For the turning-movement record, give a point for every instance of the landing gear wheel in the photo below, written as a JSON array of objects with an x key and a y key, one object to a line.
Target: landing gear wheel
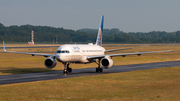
[
  {"x": 65, "y": 72},
  {"x": 99, "y": 70},
  {"x": 70, "y": 70}
]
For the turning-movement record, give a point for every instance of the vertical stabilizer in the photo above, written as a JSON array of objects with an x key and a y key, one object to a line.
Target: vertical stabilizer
[
  {"x": 100, "y": 32},
  {"x": 4, "y": 46}
]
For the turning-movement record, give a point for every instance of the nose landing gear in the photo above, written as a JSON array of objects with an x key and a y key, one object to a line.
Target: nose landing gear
[{"x": 66, "y": 68}]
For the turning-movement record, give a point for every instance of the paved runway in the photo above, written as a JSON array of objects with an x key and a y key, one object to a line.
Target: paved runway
[{"x": 30, "y": 77}]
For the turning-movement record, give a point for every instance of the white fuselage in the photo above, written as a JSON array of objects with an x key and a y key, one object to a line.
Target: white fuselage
[{"x": 78, "y": 53}]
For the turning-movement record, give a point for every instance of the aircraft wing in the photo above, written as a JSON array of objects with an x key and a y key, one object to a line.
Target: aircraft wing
[
  {"x": 124, "y": 54},
  {"x": 33, "y": 54},
  {"x": 118, "y": 49}
]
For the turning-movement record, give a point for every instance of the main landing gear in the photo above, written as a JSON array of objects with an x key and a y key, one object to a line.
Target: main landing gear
[
  {"x": 66, "y": 68},
  {"x": 99, "y": 69}
]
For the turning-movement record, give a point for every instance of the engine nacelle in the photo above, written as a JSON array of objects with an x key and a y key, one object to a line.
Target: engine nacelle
[
  {"x": 107, "y": 62},
  {"x": 50, "y": 63}
]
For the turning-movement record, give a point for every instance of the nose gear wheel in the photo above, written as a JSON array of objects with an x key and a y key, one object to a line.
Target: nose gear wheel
[{"x": 66, "y": 68}]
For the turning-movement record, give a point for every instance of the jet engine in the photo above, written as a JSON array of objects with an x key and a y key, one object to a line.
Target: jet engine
[
  {"x": 50, "y": 62},
  {"x": 107, "y": 62}
]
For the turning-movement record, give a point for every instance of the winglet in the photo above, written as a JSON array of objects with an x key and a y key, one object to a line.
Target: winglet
[{"x": 4, "y": 46}]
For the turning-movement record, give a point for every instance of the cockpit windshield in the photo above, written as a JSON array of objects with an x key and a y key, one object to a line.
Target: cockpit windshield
[{"x": 62, "y": 51}]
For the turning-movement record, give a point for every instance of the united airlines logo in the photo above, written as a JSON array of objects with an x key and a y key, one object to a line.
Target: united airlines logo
[{"x": 99, "y": 38}]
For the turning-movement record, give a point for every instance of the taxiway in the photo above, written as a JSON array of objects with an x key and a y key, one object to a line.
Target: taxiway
[{"x": 31, "y": 77}]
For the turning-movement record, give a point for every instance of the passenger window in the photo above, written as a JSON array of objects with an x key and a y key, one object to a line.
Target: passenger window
[{"x": 64, "y": 51}]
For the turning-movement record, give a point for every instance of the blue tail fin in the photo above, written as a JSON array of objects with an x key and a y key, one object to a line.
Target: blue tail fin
[
  {"x": 100, "y": 32},
  {"x": 4, "y": 46}
]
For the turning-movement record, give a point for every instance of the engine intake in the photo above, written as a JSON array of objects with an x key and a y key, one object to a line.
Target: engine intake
[
  {"x": 107, "y": 62},
  {"x": 50, "y": 63}
]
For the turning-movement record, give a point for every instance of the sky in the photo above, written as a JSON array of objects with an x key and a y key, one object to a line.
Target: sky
[{"x": 126, "y": 15}]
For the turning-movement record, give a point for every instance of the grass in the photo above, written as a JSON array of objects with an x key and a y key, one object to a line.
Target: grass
[
  {"x": 146, "y": 85},
  {"x": 160, "y": 84}
]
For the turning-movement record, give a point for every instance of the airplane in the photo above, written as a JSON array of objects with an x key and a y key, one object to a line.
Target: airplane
[{"x": 84, "y": 53}]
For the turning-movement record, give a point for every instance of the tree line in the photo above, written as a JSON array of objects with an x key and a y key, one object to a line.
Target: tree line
[{"x": 46, "y": 34}]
